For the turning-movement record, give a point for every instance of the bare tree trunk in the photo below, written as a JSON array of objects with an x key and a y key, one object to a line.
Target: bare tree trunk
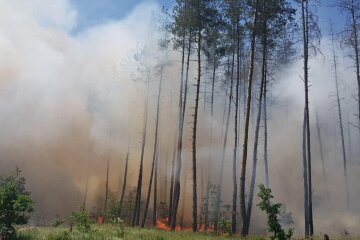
[
  {"x": 176, "y": 193},
  {"x": 86, "y": 190},
  {"x": 256, "y": 139},
  {"x": 234, "y": 196},
  {"x": 219, "y": 194},
  {"x": 305, "y": 175},
  {"x": 341, "y": 125},
  {"x": 266, "y": 162},
  {"x": 245, "y": 230},
  {"x": 321, "y": 147},
  {"x": 183, "y": 201},
  {"x": 206, "y": 225},
  {"x": 194, "y": 226},
  {"x": 125, "y": 180},
  {"x": 154, "y": 216},
  {"x": 305, "y": 16},
  {"x": 172, "y": 178},
  {"x": 107, "y": 185},
  {"x": 155, "y": 152},
  {"x": 136, "y": 216}
]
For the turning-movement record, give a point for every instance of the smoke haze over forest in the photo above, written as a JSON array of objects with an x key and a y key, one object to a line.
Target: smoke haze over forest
[{"x": 69, "y": 102}]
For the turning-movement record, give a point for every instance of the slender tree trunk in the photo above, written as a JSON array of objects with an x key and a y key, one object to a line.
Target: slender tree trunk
[
  {"x": 245, "y": 230},
  {"x": 183, "y": 201},
  {"x": 172, "y": 178},
  {"x": 194, "y": 226},
  {"x": 206, "y": 225},
  {"x": 256, "y": 138},
  {"x": 107, "y": 185},
  {"x": 155, "y": 153},
  {"x": 219, "y": 194},
  {"x": 321, "y": 147},
  {"x": 305, "y": 175},
  {"x": 136, "y": 216},
  {"x": 178, "y": 129},
  {"x": 86, "y": 190},
  {"x": 176, "y": 194},
  {"x": 154, "y": 216},
  {"x": 124, "y": 181},
  {"x": 234, "y": 196},
  {"x": 341, "y": 125},
  {"x": 266, "y": 161},
  {"x": 305, "y": 16}
]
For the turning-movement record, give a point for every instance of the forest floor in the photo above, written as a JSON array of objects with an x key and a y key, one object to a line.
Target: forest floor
[{"x": 111, "y": 233}]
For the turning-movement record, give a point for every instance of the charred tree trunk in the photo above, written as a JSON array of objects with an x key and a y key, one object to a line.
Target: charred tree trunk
[
  {"x": 256, "y": 138},
  {"x": 245, "y": 229},
  {"x": 194, "y": 161},
  {"x": 107, "y": 185},
  {"x": 176, "y": 193},
  {"x": 154, "y": 216},
  {"x": 266, "y": 160},
  {"x": 305, "y": 23},
  {"x": 155, "y": 153},
  {"x": 341, "y": 125},
  {"x": 305, "y": 175},
  {"x": 321, "y": 147},
  {"x": 235, "y": 150},
  {"x": 124, "y": 181},
  {"x": 206, "y": 225},
  {"x": 219, "y": 194},
  {"x": 136, "y": 216}
]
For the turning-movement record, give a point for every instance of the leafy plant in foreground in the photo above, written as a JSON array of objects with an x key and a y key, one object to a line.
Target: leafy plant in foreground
[
  {"x": 272, "y": 210},
  {"x": 15, "y": 204},
  {"x": 81, "y": 220}
]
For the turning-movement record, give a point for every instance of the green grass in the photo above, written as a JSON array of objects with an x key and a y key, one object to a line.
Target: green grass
[{"x": 106, "y": 232}]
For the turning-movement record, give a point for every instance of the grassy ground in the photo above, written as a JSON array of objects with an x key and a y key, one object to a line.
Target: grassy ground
[{"x": 111, "y": 233}]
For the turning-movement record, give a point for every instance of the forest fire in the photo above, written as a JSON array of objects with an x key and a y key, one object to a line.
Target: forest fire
[{"x": 164, "y": 225}]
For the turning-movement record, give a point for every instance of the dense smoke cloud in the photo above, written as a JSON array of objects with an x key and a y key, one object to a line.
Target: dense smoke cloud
[{"x": 71, "y": 101}]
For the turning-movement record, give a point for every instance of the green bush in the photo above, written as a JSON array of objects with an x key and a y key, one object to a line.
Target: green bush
[
  {"x": 81, "y": 220},
  {"x": 225, "y": 225},
  {"x": 119, "y": 225},
  {"x": 15, "y": 204},
  {"x": 272, "y": 210}
]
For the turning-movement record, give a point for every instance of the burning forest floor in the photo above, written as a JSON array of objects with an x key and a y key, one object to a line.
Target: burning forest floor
[{"x": 107, "y": 232}]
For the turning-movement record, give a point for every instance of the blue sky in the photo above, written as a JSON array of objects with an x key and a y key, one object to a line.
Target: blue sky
[{"x": 93, "y": 12}]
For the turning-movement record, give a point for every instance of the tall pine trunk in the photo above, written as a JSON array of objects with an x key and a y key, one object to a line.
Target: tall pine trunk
[
  {"x": 219, "y": 194},
  {"x": 124, "y": 180},
  {"x": 236, "y": 132},
  {"x": 266, "y": 160},
  {"x": 341, "y": 125},
  {"x": 256, "y": 138},
  {"x": 305, "y": 23},
  {"x": 194, "y": 135},
  {"x": 136, "y": 215},
  {"x": 245, "y": 230},
  {"x": 178, "y": 163},
  {"x": 155, "y": 151},
  {"x": 321, "y": 147},
  {"x": 107, "y": 185},
  {"x": 305, "y": 176}
]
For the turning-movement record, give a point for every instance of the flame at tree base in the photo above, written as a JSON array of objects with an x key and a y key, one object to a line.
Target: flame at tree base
[{"x": 164, "y": 225}]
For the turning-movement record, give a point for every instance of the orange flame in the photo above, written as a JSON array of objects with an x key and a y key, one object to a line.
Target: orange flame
[{"x": 164, "y": 225}]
